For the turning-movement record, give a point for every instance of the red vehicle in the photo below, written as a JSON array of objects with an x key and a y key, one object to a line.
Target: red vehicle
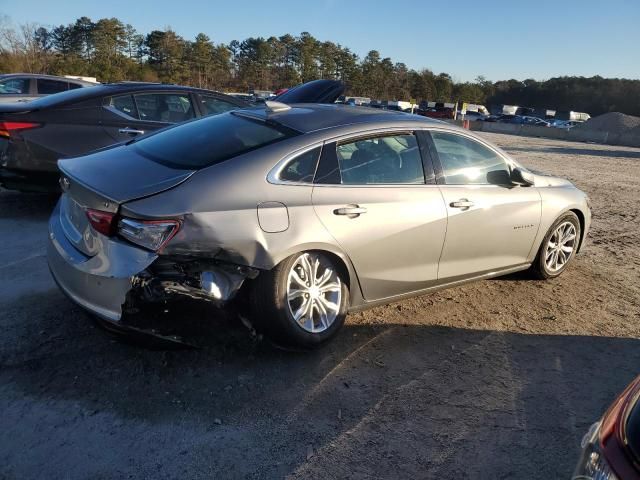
[
  {"x": 611, "y": 447},
  {"x": 439, "y": 110}
]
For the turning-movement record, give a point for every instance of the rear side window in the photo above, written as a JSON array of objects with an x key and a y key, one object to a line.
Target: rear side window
[
  {"x": 393, "y": 159},
  {"x": 302, "y": 168},
  {"x": 48, "y": 87},
  {"x": 214, "y": 106},
  {"x": 123, "y": 105},
  {"x": 209, "y": 140},
  {"x": 14, "y": 86},
  {"x": 164, "y": 107}
]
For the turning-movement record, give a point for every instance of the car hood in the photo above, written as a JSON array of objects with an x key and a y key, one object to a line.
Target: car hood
[
  {"x": 316, "y": 91},
  {"x": 544, "y": 180},
  {"x": 120, "y": 175}
]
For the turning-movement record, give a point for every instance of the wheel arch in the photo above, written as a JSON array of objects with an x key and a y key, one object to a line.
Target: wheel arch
[
  {"x": 581, "y": 218},
  {"x": 342, "y": 261}
]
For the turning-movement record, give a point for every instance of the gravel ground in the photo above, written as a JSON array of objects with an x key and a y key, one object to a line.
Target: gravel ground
[{"x": 498, "y": 379}]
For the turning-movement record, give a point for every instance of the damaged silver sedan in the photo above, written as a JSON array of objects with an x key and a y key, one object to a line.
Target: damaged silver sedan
[{"x": 311, "y": 211}]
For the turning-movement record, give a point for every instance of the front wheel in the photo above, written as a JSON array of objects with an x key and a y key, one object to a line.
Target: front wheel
[
  {"x": 558, "y": 247},
  {"x": 303, "y": 301}
]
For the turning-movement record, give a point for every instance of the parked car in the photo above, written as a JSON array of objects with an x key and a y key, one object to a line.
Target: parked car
[
  {"x": 556, "y": 123},
  {"x": 611, "y": 447},
  {"x": 474, "y": 116},
  {"x": 566, "y": 124},
  {"x": 305, "y": 213},
  {"x": 500, "y": 118},
  {"x": 34, "y": 135},
  {"x": 21, "y": 87},
  {"x": 535, "y": 121}
]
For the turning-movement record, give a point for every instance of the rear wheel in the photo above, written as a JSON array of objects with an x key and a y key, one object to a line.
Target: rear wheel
[
  {"x": 558, "y": 247},
  {"x": 303, "y": 301}
]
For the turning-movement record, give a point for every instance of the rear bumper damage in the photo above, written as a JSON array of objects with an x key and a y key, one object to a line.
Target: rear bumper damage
[
  {"x": 174, "y": 278},
  {"x": 122, "y": 278}
]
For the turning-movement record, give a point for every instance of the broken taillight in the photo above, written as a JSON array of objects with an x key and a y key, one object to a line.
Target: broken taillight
[
  {"x": 102, "y": 222},
  {"x": 6, "y": 128}
]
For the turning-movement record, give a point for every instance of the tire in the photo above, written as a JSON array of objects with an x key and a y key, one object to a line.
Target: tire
[
  {"x": 279, "y": 295},
  {"x": 551, "y": 261}
]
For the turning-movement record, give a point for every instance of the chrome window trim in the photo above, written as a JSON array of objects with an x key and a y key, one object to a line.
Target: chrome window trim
[
  {"x": 274, "y": 173},
  {"x": 272, "y": 176}
]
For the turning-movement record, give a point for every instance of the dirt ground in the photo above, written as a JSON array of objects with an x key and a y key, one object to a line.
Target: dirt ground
[{"x": 498, "y": 379}]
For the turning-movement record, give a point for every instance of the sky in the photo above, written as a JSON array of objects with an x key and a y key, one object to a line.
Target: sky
[{"x": 499, "y": 39}]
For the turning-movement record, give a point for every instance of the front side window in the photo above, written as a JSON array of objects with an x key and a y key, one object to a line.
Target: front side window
[
  {"x": 48, "y": 87},
  {"x": 123, "y": 105},
  {"x": 302, "y": 168},
  {"x": 214, "y": 106},
  {"x": 164, "y": 107},
  {"x": 14, "y": 86},
  {"x": 393, "y": 159},
  {"x": 465, "y": 161},
  {"x": 208, "y": 141}
]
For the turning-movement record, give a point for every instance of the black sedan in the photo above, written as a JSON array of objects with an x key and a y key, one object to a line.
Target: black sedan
[{"x": 34, "y": 135}]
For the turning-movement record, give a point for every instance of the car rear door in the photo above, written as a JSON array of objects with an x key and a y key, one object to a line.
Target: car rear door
[
  {"x": 376, "y": 195},
  {"x": 490, "y": 226},
  {"x": 136, "y": 113}
]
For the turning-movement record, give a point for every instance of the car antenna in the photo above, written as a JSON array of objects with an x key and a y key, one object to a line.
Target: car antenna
[{"x": 275, "y": 107}]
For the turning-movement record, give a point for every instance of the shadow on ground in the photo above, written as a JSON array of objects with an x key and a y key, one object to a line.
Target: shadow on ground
[
  {"x": 392, "y": 401},
  {"x": 27, "y": 206}
]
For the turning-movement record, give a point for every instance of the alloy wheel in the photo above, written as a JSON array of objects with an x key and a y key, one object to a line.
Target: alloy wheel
[
  {"x": 560, "y": 247},
  {"x": 314, "y": 292}
]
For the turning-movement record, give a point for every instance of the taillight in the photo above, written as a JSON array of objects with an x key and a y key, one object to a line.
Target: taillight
[
  {"x": 7, "y": 127},
  {"x": 150, "y": 234},
  {"x": 102, "y": 222}
]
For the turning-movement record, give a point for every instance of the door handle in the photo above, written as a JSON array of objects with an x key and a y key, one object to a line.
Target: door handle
[
  {"x": 131, "y": 131},
  {"x": 350, "y": 211},
  {"x": 462, "y": 203}
]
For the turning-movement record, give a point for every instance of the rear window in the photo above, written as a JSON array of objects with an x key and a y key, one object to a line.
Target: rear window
[{"x": 208, "y": 141}]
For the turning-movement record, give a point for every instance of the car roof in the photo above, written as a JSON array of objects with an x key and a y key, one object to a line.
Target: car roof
[
  {"x": 51, "y": 77},
  {"x": 109, "y": 89},
  {"x": 307, "y": 118}
]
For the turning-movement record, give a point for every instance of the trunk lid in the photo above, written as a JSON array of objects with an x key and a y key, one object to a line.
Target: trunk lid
[
  {"x": 103, "y": 181},
  {"x": 16, "y": 107}
]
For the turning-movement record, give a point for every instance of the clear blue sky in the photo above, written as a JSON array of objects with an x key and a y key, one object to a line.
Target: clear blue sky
[{"x": 499, "y": 39}]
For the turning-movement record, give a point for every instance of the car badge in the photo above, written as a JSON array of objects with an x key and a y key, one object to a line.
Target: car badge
[{"x": 65, "y": 183}]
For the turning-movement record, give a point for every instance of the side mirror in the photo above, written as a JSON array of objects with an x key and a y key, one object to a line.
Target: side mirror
[
  {"x": 499, "y": 177},
  {"x": 522, "y": 177}
]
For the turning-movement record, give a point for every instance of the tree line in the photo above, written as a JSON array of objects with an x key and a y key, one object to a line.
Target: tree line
[{"x": 112, "y": 51}]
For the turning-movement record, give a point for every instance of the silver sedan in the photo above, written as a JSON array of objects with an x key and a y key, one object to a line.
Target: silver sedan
[{"x": 306, "y": 211}]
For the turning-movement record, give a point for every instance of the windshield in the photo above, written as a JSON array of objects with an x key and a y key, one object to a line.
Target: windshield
[{"x": 208, "y": 141}]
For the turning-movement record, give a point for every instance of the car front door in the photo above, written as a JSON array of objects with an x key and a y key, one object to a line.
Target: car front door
[
  {"x": 129, "y": 115},
  {"x": 491, "y": 224},
  {"x": 378, "y": 199}
]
